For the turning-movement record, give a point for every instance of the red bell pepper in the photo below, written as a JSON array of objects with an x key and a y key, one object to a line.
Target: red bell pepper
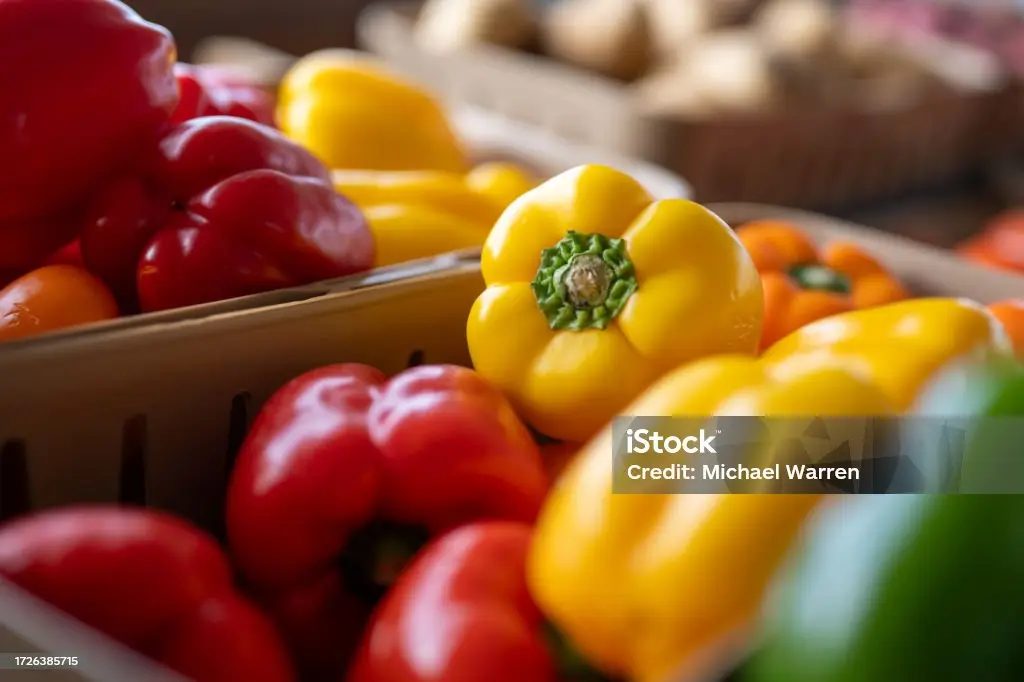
[
  {"x": 69, "y": 255},
  {"x": 224, "y": 207},
  {"x": 207, "y": 92},
  {"x": 462, "y": 611},
  {"x": 345, "y": 474},
  {"x": 557, "y": 457},
  {"x": 150, "y": 581},
  {"x": 86, "y": 83}
]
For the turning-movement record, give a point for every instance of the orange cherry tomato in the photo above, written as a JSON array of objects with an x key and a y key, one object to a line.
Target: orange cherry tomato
[
  {"x": 1011, "y": 313},
  {"x": 51, "y": 298}
]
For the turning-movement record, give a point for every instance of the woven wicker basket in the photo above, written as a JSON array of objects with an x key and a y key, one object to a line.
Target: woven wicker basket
[{"x": 821, "y": 159}]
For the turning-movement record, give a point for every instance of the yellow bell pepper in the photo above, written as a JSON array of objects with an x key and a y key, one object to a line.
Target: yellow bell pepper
[
  {"x": 642, "y": 585},
  {"x": 503, "y": 182},
  {"x": 404, "y": 233},
  {"x": 594, "y": 290},
  {"x": 445, "y": 192},
  {"x": 899, "y": 346},
  {"x": 418, "y": 214},
  {"x": 353, "y": 113}
]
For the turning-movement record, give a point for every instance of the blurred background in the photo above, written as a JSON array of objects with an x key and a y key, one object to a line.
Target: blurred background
[
  {"x": 298, "y": 27},
  {"x": 901, "y": 114}
]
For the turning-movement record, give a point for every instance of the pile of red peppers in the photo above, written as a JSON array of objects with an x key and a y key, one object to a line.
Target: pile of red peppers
[
  {"x": 167, "y": 181},
  {"x": 378, "y": 529}
]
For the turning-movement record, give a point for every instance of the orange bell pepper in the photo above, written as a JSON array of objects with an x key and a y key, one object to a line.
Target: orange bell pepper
[
  {"x": 1000, "y": 245},
  {"x": 1011, "y": 313},
  {"x": 803, "y": 284}
]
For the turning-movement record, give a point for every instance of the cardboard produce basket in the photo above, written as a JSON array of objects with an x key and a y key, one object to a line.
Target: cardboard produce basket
[
  {"x": 489, "y": 138},
  {"x": 808, "y": 158},
  {"x": 154, "y": 414}
]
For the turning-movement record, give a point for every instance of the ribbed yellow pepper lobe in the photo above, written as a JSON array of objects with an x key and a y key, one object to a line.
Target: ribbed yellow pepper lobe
[
  {"x": 642, "y": 585},
  {"x": 594, "y": 290},
  {"x": 899, "y": 346}
]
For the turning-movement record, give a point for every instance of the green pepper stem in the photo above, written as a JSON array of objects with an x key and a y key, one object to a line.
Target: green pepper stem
[
  {"x": 816, "y": 277},
  {"x": 584, "y": 281},
  {"x": 375, "y": 556}
]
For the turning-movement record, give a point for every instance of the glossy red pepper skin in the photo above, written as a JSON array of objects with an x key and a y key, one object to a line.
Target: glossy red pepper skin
[
  {"x": 204, "y": 91},
  {"x": 557, "y": 457},
  {"x": 72, "y": 115},
  {"x": 462, "y": 611},
  {"x": 224, "y": 207},
  {"x": 25, "y": 244},
  {"x": 150, "y": 581},
  {"x": 341, "y": 451},
  {"x": 71, "y": 254}
]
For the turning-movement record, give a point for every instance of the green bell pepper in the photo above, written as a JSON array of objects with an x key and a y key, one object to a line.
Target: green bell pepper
[
  {"x": 904, "y": 587},
  {"x": 987, "y": 403},
  {"x": 912, "y": 587}
]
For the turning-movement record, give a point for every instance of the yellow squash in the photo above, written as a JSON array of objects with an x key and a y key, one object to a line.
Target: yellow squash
[
  {"x": 352, "y": 113},
  {"x": 641, "y": 586},
  {"x": 899, "y": 346},
  {"x": 594, "y": 290}
]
